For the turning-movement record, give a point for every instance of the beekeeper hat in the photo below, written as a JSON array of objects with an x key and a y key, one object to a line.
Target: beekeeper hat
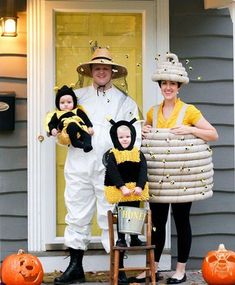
[{"x": 102, "y": 56}]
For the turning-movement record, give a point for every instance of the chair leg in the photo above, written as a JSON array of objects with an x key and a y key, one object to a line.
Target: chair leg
[
  {"x": 111, "y": 268},
  {"x": 147, "y": 265},
  {"x": 147, "y": 277},
  {"x": 116, "y": 267},
  {"x": 152, "y": 266}
]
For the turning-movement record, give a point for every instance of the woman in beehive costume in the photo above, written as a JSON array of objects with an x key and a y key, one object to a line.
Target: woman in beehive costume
[{"x": 174, "y": 170}]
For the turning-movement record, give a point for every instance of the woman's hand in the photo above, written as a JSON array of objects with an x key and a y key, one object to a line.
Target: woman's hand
[
  {"x": 145, "y": 130},
  {"x": 202, "y": 129},
  {"x": 182, "y": 130}
]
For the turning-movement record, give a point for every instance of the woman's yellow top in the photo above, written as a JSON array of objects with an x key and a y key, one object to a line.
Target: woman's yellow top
[{"x": 191, "y": 117}]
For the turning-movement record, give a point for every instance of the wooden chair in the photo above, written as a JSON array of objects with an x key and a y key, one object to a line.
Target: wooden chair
[{"x": 115, "y": 252}]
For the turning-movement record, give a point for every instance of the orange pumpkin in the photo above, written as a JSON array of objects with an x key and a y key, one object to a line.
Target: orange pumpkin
[
  {"x": 218, "y": 267},
  {"x": 21, "y": 269}
]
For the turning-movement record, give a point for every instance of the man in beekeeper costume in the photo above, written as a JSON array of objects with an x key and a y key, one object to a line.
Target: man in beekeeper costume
[{"x": 84, "y": 172}]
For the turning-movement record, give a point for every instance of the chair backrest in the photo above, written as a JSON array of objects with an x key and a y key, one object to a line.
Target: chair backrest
[{"x": 112, "y": 220}]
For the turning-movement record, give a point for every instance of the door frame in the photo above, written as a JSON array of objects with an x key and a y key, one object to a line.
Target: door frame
[{"x": 41, "y": 78}]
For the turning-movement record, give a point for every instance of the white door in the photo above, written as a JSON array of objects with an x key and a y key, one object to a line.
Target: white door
[{"x": 41, "y": 81}]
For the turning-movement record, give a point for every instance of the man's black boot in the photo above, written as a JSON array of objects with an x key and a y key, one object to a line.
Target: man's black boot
[{"x": 74, "y": 272}]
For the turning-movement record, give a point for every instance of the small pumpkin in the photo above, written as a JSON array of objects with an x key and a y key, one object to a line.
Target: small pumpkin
[
  {"x": 21, "y": 269},
  {"x": 218, "y": 267}
]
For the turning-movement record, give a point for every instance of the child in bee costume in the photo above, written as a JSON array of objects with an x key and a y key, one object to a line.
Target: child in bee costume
[
  {"x": 126, "y": 177},
  {"x": 69, "y": 122}
]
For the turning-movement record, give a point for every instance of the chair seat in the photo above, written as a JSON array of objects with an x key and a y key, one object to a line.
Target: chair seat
[
  {"x": 134, "y": 248},
  {"x": 143, "y": 268}
]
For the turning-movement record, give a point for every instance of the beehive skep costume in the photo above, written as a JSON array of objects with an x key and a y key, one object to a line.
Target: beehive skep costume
[
  {"x": 169, "y": 68},
  {"x": 180, "y": 168},
  {"x": 125, "y": 167}
]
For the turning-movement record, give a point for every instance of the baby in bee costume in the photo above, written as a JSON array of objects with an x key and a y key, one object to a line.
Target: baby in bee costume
[{"x": 69, "y": 122}]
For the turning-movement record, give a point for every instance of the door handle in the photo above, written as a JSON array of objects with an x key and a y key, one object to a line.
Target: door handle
[{"x": 41, "y": 138}]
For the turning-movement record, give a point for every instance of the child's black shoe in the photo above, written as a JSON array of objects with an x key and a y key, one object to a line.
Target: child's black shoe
[
  {"x": 135, "y": 241},
  {"x": 121, "y": 243}
]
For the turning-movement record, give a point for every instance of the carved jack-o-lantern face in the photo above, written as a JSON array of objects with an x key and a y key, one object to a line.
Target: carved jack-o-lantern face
[
  {"x": 218, "y": 267},
  {"x": 22, "y": 269}
]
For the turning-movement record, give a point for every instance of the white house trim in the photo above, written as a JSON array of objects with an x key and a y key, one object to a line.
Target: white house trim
[{"x": 34, "y": 89}]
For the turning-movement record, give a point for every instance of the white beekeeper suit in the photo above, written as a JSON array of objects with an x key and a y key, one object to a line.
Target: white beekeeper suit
[{"x": 84, "y": 172}]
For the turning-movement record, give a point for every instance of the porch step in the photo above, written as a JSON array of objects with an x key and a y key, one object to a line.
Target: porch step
[{"x": 95, "y": 260}]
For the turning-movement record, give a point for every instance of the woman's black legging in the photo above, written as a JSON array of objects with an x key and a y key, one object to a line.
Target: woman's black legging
[{"x": 181, "y": 213}]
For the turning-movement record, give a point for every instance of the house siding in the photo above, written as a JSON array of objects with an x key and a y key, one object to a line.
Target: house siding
[
  {"x": 205, "y": 38},
  {"x": 13, "y": 144}
]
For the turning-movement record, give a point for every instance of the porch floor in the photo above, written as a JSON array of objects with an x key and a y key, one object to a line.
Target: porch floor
[{"x": 193, "y": 278}]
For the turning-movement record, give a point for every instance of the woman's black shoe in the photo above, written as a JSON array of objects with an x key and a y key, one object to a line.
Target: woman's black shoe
[
  {"x": 122, "y": 279},
  {"x": 175, "y": 280},
  {"x": 142, "y": 280}
]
